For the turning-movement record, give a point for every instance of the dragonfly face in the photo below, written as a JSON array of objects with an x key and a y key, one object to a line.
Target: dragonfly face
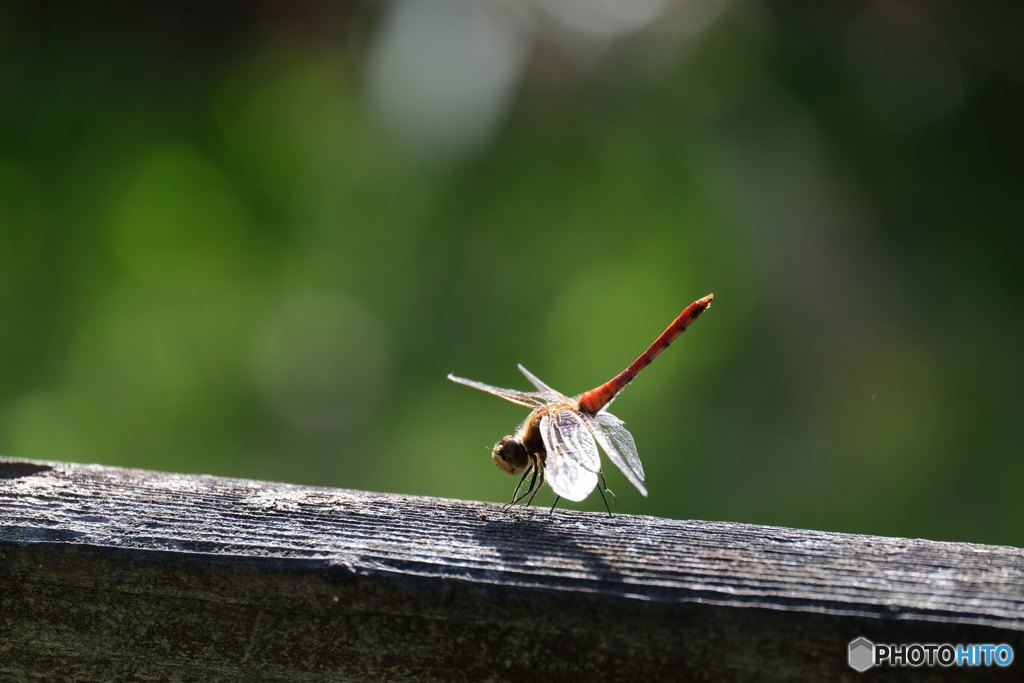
[{"x": 511, "y": 456}]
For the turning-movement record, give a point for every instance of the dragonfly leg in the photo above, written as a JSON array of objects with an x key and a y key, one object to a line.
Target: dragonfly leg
[
  {"x": 539, "y": 466},
  {"x": 515, "y": 495},
  {"x": 529, "y": 489},
  {"x": 607, "y": 490},
  {"x": 605, "y": 500},
  {"x": 553, "y": 505}
]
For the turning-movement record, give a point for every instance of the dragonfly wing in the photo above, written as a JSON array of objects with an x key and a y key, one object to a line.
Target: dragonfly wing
[
  {"x": 572, "y": 462},
  {"x": 523, "y": 398},
  {"x": 543, "y": 389},
  {"x": 618, "y": 443}
]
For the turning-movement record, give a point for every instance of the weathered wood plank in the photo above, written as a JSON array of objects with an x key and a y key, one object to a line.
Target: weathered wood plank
[{"x": 110, "y": 573}]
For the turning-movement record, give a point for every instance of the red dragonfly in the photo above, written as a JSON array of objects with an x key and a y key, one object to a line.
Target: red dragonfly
[{"x": 558, "y": 441}]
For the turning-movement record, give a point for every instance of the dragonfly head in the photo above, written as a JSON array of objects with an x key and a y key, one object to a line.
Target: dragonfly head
[{"x": 511, "y": 456}]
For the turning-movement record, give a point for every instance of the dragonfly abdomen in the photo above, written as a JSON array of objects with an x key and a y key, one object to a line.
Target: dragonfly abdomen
[{"x": 595, "y": 399}]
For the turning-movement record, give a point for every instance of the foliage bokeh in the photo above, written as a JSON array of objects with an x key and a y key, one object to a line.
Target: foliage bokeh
[{"x": 219, "y": 253}]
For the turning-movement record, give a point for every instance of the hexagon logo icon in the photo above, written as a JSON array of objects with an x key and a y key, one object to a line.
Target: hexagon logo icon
[{"x": 862, "y": 654}]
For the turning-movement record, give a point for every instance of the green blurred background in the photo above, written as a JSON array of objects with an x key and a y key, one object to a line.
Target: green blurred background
[{"x": 251, "y": 240}]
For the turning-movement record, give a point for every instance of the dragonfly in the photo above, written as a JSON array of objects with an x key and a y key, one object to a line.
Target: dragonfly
[{"x": 557, "y": 443}]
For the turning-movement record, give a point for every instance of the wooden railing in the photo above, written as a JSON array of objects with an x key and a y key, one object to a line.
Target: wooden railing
[{"x": 109, "y": 574}]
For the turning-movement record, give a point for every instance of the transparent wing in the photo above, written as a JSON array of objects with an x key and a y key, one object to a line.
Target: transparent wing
[
  {"x": 550, "y": 394},
  {"x": 618, "y": 443},
  {"x": 523, "y": 398},
  {"x": 572, "y": 461}
]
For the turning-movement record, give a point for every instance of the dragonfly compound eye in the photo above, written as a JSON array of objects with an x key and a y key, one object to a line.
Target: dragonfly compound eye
[{"x": 510, "y": 455}]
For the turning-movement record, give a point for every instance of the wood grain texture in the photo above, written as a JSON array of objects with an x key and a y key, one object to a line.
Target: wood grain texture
[{"x": 112, "y": 573}]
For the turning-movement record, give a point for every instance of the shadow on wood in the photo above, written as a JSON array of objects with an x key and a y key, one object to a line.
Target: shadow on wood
[{"x": 110, "y": 573}]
